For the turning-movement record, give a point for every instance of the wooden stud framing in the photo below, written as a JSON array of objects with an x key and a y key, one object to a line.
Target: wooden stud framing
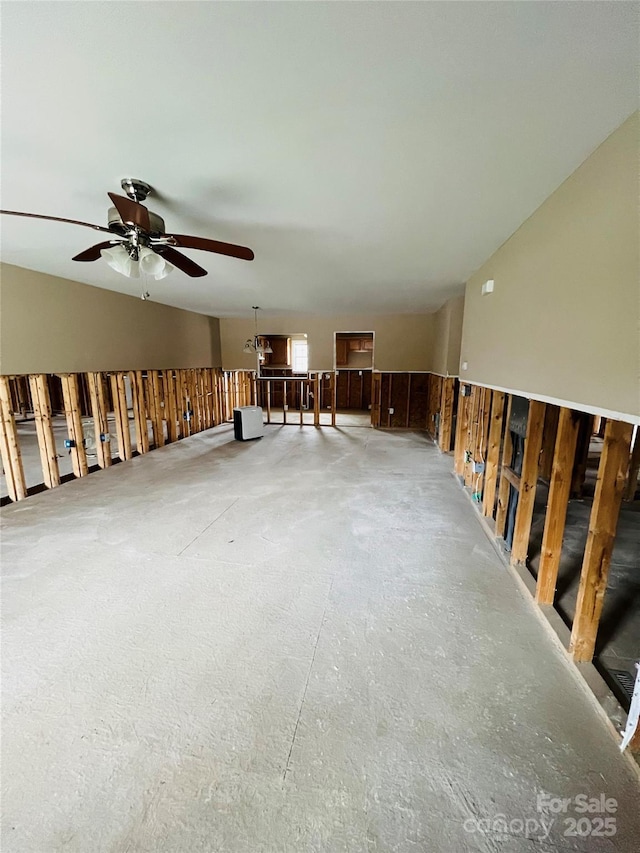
[
  {"x": 493, "y": 454},
  {"x": 603, "y": 521},
  {"x": 119, "y": 397},
  {"x": 556, "y": 513},
  {"x": 155, "y": 407},
  {"x": 316, "y": 400},
  {"x": 44, "y": 429},
  {"x": 446, "y": 414},
  {"x": 95, "y": 381},
  {"x": 471, "y": 437},
  {"x": 9, "y": 446},
  {"x": 461, "y": 433},
  {"x": 72, "y": 413},
  {"x": 528, "y": 481},
  {"x": 139, "y": 411},
  {"x": 503, "y": 483}
]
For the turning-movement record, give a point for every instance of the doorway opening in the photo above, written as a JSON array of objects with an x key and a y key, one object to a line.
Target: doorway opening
[{"x": 353, "y": 362}]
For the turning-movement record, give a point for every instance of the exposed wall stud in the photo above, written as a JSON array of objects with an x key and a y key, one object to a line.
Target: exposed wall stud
[
  {"x": 9, "y": 445},
  {"x": 556, "y": 513},
  {"x": 528, "y": 481},
  {"x": 603, "y": 521}
]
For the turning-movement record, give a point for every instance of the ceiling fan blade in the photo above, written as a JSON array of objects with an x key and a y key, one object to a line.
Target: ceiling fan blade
[
  {"x": 55, "y": 219},
  {"x": 93, "y": 253},
  {"x": 182, "y": 262},
  {"x": 131, "y": 212},
  {"x": 184, "y": 241}
]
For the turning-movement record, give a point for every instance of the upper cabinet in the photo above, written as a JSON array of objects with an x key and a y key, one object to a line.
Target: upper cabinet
[
  {"x": 361, "y": 344},
  {"x": 281, "y": 355},
  {"x": 342, "y": 352}
]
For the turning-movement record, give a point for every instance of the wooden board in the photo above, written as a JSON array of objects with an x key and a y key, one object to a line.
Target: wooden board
[
  {"x": 9, "y": 445},
  {"x": 556, "y": 512},
  {"x": 44, "y": 429},
  {"x": 75, "y": 432},
  {"x": 503, "y": 483},
  {"x": 119, "y": 397},
  {"x": 446, "y": 414},
  {"x": 603, "y": 522},
  {"x": 528, "y": 481},
  {"x": 462, "y": 423},
  {"x": 496, "y": 429},
  {"x": 99, "y": 410},
  {"x": 139, "y": 411}
]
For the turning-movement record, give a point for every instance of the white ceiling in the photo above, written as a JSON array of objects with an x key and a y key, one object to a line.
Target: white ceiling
[{"x": 373, "y": 155}]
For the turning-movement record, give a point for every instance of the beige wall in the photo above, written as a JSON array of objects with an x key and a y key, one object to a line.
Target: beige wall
[
  {"x": 402, "y": 341},
  {"x": 563, "y": 321},
  {"x": 448, "y": 337},
  {"x": 52, "y": 325}
]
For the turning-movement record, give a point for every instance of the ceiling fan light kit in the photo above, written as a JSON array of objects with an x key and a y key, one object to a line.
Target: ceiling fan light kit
[{"x": 139, "y": 242}]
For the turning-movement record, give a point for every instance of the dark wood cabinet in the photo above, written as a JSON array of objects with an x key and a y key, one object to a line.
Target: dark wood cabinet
[{"x": 281, "y": 355}]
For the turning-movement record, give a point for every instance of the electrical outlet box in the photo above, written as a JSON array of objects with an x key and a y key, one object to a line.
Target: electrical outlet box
[
  {"x": 391, "y": 410},
  {"x": 465, "y": 390},
  {"x": 69, "y": 443},
  {"x": 478, "y": 467},
  {"x": 359, "y": 373}
]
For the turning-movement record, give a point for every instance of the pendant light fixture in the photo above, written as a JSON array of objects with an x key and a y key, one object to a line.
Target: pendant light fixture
[{"x": 257, "y": 345}]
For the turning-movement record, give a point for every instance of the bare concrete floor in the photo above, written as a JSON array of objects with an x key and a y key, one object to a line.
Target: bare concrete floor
[{"x": 303, "y": 643}]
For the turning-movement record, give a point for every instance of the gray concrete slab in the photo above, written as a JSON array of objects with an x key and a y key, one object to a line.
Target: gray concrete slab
[{"x": 303, "y": 643}]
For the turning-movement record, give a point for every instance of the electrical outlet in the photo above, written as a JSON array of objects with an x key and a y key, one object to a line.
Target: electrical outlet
[
  {"x": 478, "y": 467},
  {"x": 391, "y": 410}
]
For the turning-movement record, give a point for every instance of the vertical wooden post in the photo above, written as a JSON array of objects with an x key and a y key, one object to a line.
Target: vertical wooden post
[
  {"x": 9, "y": 446},
  {"x": 100, "y": 421},
  {"x": 446, "y": 414},
  {"x": 70, "y": 397},
  {"x": 482, "y": 434},
  {"x": 528, "y": 481},
  {"x": 603, "y": 521},
  {"x": 634, "y": 467},
  {"x": 139, "y": 411},
  {"x": 119, "y": 397},
  {"x": 285, "y": 402},
  {"x": 461, "y": 432},
  {"x": 556, "y": 514},
  {"x": 155, "y": 408},
  {"x": 44, "y": 430},
  {"x": 471, "y": 439},
  {"x": 171, "y": 407},
  {"x": 503, "y": 483},
  {"x": 493, "y": 454}
]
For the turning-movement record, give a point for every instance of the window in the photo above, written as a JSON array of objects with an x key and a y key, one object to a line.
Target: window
[{"x": 299, "y": 356}]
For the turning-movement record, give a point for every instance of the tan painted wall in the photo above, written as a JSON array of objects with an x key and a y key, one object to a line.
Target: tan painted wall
[
  {"x": 402, "y": 341},
  {"x": 448, "y": 337},
  {"x": 52, "y": 325},
  {"x": 563, "y": 321}
]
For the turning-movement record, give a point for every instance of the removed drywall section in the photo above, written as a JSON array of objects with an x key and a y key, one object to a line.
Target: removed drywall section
[
  {"x": 448, "y": 337},
  {"x": 562, "y": 321},
  {"x": 53, "y": 325},
  {"x": 402, "y": 341}
]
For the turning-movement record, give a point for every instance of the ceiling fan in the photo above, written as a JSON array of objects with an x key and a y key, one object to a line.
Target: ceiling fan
[{"x": 138, "y": 238}]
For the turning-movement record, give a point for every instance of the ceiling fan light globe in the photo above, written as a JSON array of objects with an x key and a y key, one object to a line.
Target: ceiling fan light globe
[
  {"x": 118, "y": 259},
  {"x": 152, "y": 264}
]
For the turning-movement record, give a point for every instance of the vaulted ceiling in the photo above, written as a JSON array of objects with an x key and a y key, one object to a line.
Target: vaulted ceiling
[{"x": 373, "y": 155}]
